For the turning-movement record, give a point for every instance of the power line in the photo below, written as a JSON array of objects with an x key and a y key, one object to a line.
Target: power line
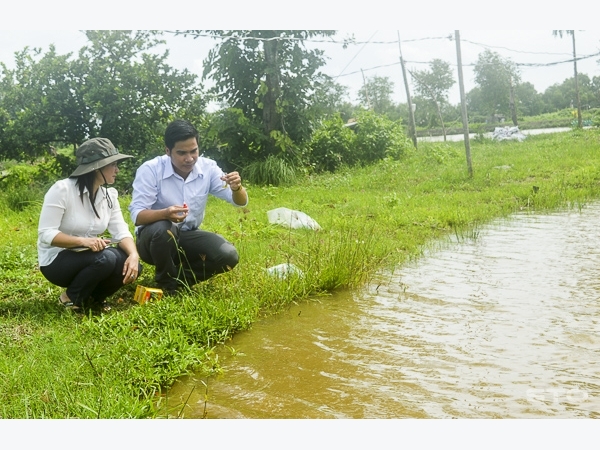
[
  {"x": 347, "y": 42},
  {"x": 370, "y": 68},
  {"x": 558, "y": 62},
  {"x": 512, "y": 50},
  {"x": 570, "y": 61},
  {"x": 349, "y": 62},
  {"x": 291, "y": 38}
]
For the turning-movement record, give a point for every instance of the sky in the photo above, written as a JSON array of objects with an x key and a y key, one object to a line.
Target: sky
[
  {"x": 421, "y": 31},
  {"x": 543, "y": 59}
]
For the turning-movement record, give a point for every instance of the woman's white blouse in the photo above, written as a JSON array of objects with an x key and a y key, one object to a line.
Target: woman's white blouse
[{"x": 64, "y": 211}]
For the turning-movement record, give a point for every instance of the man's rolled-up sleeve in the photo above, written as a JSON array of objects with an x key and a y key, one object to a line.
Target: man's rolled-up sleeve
[{"x": 145, "y": 192}]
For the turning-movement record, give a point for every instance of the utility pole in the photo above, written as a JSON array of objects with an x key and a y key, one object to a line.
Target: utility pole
[
  {"x": 579, "y": 119},
  {"x": 366, "y": 90},
  {"x": 463, "y": 104},
  {"x": 513, "y": 107},
  {"x": 411, "y": 113}
]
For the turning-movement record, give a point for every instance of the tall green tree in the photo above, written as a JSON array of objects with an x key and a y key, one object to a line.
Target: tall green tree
[
  {"x": 376, "y": 94},
  {"x": 332, "y": 98},
  {"x": 577, "y": 98},
  {"x": 117, "y": 88},
  {"x": 130, "y": 91},
  {"x": 39, "y": 104},
  {"x": 495, "y": 77},
  {"x": 433, "y": 85},
  {"x": 272, "y": 78},
  {"x": 561, "y": 96},
  {"x": 529, "y": 101}
]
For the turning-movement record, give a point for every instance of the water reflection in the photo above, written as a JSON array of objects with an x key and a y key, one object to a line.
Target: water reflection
[{"x": 503, "y": 326}]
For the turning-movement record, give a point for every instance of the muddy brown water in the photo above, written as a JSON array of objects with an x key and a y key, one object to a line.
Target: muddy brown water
[{"x": 502, "y": 324}]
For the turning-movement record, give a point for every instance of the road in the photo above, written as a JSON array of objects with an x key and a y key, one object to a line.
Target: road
[{"x": 460, "y": 137}]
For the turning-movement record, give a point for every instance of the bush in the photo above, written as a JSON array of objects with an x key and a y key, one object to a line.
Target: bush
[
  {"x": 331, "y": 146},
  {"x": 231, "y": 139},
  {"x": 377, "y": 138},
  {"x": 440, "y": 153}
]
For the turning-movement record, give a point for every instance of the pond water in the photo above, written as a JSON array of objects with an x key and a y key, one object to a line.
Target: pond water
[{"x": 504, "y": 324}]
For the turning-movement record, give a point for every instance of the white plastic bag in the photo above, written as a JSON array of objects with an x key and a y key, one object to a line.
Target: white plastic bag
[
  {"x": 292, "y": 219},
  {"x": 283, "y": 270},
  {"x": 506, "y": 133}
]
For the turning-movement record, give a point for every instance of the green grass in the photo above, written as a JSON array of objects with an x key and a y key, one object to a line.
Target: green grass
[{"x": 117, "y": 365}]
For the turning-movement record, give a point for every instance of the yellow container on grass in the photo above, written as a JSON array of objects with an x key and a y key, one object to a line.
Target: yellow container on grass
[{"x": 144, "y": 294}]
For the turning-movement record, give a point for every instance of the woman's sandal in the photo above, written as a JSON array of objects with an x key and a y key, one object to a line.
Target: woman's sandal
[{"x": 65, "y": 301}]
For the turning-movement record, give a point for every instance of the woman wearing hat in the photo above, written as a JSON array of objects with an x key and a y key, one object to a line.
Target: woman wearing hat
[{"x": 76, "y": 211}]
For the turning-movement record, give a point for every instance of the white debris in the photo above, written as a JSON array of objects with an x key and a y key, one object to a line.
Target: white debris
[
  {"x": 291, "y": 219},
  {"x": 283, "y": 270},
  {"x": 508, "y": 134}
]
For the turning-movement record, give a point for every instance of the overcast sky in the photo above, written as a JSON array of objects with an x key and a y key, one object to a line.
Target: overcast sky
[{"x": 543, "y": 59}]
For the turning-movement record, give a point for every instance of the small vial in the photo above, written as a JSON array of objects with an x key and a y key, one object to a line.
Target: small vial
[{"x": 182, "y": 214}]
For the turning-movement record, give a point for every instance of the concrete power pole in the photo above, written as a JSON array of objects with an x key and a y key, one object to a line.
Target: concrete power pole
[
  {"x": 513, "y": 106},
  {"x": 366, "y": 90},
  {"x": 411, "y": 113},
  {"x": 463, "y": 104}
]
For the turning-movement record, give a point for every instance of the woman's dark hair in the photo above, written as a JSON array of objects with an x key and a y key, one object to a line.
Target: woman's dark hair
[
  {"x": 179, "y": 130},
  {"x": 87, "y": 181}
]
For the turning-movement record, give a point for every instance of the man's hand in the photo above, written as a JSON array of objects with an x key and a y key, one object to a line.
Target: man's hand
[
  {"x": 176, "y": 213},
  {"x": 233, "y": 179}
]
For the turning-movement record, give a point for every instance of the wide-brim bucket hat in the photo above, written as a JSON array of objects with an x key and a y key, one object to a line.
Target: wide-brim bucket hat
[{"x": 94, "y": 154}]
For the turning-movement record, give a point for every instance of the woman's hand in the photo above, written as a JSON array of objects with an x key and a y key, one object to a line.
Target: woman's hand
[
  {"x": 130, "y": 268},
  {"x": 132, "y": 263},
  {"x": 95, "y": 244}
]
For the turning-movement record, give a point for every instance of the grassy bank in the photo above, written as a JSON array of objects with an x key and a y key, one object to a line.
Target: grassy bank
[{"x": 55, "y": 364}]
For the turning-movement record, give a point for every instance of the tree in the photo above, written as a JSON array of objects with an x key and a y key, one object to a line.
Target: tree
[
  {"x": 130, "y": 92},
  {"x": 434, "y": 84},
  {"x": 272, "y": 79},
  {"x": 595, "y": 88},
  {"x": 560, "y": 96},
  {"x": 116, "y": 89},
  {"x": 39, "y": 104},
  {"x": 495, "y": 76},
  {"x": 475, "y": 105},
  {"x": 530, "y": 102},
  {"x": 376, "y": 94},
  {"x": 331, "y": 98},
  {"x": 577, "y": 98}
]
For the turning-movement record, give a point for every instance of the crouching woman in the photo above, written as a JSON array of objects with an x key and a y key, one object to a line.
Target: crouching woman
[{"x": 76, "y": 212}]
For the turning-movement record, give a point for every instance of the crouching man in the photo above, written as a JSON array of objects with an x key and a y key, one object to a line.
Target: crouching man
[{"x": 169, "y": 198}]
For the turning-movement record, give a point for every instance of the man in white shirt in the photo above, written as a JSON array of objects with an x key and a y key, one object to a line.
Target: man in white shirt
[{"x": 169, "y": 198}]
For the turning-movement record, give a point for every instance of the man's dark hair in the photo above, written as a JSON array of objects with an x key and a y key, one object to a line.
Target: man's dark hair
[{"x": 179, "y": 130}]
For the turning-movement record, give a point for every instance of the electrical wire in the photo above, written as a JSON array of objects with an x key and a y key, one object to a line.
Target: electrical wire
[
  {"x": 395, "y": 42},
  {"x": 354, "y": 57}
]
